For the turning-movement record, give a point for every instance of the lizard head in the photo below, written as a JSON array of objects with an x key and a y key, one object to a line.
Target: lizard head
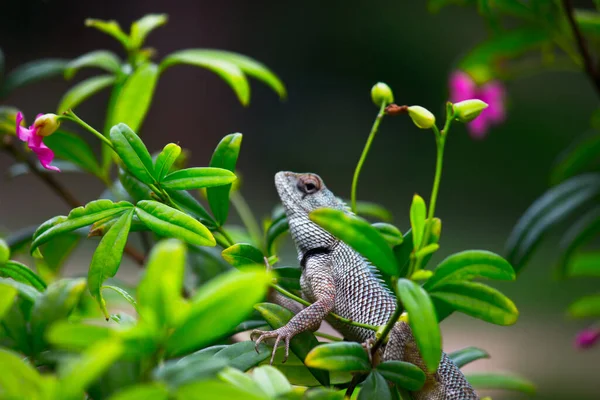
[{"x": 303, "y": 193}]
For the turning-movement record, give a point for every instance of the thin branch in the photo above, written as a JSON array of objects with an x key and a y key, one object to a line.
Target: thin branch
[
  {"x": 589, "y": 66},
  {"x": 59, "y": 189}
]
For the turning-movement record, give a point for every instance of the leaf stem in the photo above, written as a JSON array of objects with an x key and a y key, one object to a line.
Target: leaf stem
[
  {"x": 71, "y": 116},
  {"x": 363, "y": 156},
  {"x": 246, "y": 215}
]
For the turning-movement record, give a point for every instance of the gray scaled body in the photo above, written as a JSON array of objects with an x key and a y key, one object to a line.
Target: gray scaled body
[{"x": 337, "y": 279}]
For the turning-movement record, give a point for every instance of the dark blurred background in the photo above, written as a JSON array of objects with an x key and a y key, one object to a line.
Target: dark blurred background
[{"x": 329, "y": 55}]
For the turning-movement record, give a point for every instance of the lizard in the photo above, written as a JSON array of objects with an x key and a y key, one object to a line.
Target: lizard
[{"x": 337, "y": 279}]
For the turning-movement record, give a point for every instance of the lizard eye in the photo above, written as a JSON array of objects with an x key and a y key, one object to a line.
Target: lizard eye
[{"x": 309, "y": 184}]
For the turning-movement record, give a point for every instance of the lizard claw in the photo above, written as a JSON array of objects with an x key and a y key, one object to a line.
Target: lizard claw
[
  {"x": 368, "y": 345},
  {"x": 278, "y": 334}
]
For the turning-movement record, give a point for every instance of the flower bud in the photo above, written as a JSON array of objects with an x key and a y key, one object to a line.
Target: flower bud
[
  {"x": 4, "y": 252},
  {"x": 47, "y": 124},
  {"x": 468, "y": 110},
  {"x": 421, "y": 116},
  {"x": 381, "y": 93}
]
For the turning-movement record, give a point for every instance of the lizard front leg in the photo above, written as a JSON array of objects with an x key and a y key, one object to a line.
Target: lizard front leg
[{"x": 317, "y": 282}]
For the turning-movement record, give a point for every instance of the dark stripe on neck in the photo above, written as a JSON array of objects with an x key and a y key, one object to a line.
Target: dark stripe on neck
[{"x": 313, "y": 252}]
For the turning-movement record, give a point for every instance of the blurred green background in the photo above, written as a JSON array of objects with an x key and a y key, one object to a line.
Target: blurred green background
[{"x": 329, "y": 54}]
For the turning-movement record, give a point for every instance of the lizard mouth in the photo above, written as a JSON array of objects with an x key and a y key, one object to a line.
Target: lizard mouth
[{"x": 285, "y": 182}]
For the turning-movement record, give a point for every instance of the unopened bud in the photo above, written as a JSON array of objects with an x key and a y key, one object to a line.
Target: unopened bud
[
  {"x": 382, "y": 94},
  {"x": 4, "y": 252},
  {"x": 468, "y": 110},
  {"x": 46, "y": 124},
  {"x": 422, "y": 117}
]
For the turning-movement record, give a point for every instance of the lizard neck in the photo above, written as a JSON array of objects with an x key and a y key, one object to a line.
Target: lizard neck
[{"x": 307, "y": 235}]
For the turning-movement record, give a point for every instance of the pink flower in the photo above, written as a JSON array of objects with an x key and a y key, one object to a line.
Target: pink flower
[
  {"x": 44, "y": 125},
  {"x": 462, "y": 87},
  {"x": 587, "y": 338}
]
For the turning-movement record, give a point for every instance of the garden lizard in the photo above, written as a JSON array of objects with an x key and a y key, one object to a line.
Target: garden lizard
[{"x": 337, "y": 279}]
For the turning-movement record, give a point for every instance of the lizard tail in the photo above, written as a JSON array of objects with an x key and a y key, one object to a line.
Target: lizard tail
[{"x": 447, "y": 383}]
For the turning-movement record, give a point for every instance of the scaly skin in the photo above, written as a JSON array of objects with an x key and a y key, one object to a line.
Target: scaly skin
[{"x": 337, "y": 279}]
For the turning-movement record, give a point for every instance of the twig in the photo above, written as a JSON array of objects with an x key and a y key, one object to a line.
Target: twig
[
  {"x": 590, "y": 69},
  {"x": 59, "y": 189}
]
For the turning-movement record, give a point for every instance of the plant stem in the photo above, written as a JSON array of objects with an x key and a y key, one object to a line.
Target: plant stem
[
  {"x": 363, "y": 156},
  {"x": 329, "y": 337},
  {"x": 228, "y": 238},
  {"x": 356, "y": 379},
  {"x": 71, "y": 116},
  {"x": 306, "y": 303},
  {"x": 246, "y": 215}
]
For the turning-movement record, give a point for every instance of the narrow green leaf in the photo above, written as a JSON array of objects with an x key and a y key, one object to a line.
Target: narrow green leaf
[
  {"x": 71, "y": 147},
  {"x": 478, "y": 300},
  {"x": 467, "y": 355},
  {"x": 77, "y": 337},
  {"x": 22, "y": 273},
  {"x": 7, "y": 296},
  {"x": 190, "y": 204},
  {"x": 84, "y": 89},
  {"x": 423, "y": 321},
  {"x": 301, "y": 344},
  {"x": 106, "y": 60},
  {"x": 271, "y": 381},
  {"x": 77, "y": 218},
  {"x": 390, "y": 233},
  {"x": 168, "y": 222},
  {"x": 243, "y": 355},
  {"x": 577, "y": 158},
  {"x": 165, "y": 160},
  {"x": 468, "y": 265},
  {"x": 496, "y": 381},
  {"x": 194, "y": 367},
  {"x": 402, "y": 253},
  {"x": 55, "y": 303},
  {"x": 585, "y": 229},
  {"x": 27, "y": 292},
  {"x": 373, "y": 210},
  {"x": 585, "y": 307},
  {"x": 288, "y": 277},
  {"x": 111, "y": 28},
  {"x": 197, "y": 178},
  {"x": 358, "y": 234},
  {"x": 213, "y": 389},
  {"x": 585, "y": 265},
  {"x": 418, "y": 214},
  {"x": 19, "y": 380},
  {"x": 277, "y": 229},
  {"x": 225, "y": 156},
  {"x": 339, "y": 356},
  {"x": 227, "y": 70},
  {"x": 56, "y": 254},
  {"x": 143, "y": 391},
  {"x": 107, "y": 257},
  {"x": 133, "y": 152},
  {"x": 143, "y": 26},
  {"x": 375, "y": 387},
  {"x": 129, "y": 298},
  {"x": 32, "y": 72},
  {"x": 135, "y": 96},
  {"x": 243, "y": 255},
  {"x": 402, "y": 374},
  {"x": 159, "y": 291},
  {"x": 212, "y": 315},
  {"x": 241, "y": 380},
  {"x": 136, "y": 190}
]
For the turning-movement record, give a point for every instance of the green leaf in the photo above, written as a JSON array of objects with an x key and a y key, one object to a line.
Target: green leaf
[
  {"x": 358, "y": 234},
  {"x": 227, "y": 70},
  {"x": 54, "y": 304},
  {"x": 165, "y": 160},
  {"x": 241, "y": 380},
  {"x": 243, "y": 255},
  {"x": 32, "y": 72},
  {"x": 104, "y": 59},
  {"x": 585, "y": 229},
  {"x": 576, "y": 159},
  {"x": 128, "y": 298},
  {"x": 8, "y": 118},
  {"x": 169, "y": 222},
  {"x": 390, "y": 233},
  {"x": 77, "y": 337},
  {"x": 133, "y": 152},
  {"x": 271, "y": 381},
  {"x": 22, "y": 273},
  {"x": 189, "y": 203},
  {"x": 477, "y": 300},
  {"x": 111, "y": 28},
  {"x": 402, "y": 374},
  {"x": 467, "y": 355},
  {"x": 197, "y": 178},
  {"x": 7, "y": 296},
  {"x": 242, "y": 355},
  {"x": 135, "y": 96},
  {"x": 143, "y": 391},
  {"x": 468, "y": 265},
  {"x": 301, "y": 344},
  {"x": 585, "y": 265},
  {"x": 496, "y": 381},
  {"x": 84, "y": 89},
  {"x": 194, "y": 367},
  {"x": 71, "y": 147},
  {"x": 402, "y": 253},
  {"x": 552, "y": 207},
  {"x": 375, "y": 387},
  {"x": 588, "y": 21},
  {"x": 373, "y": 210},
  {"x": 136, "y": 190},
  {"x": 288, "y": 277},
  {"x": 77, "y": 218},
  {"x": 212, "y": 315},
  {"x": 56, "y": 254},
  {"x": 423, "y": 321},
  {"x": 585, "y": 307},
  {"x": 143, "y": 26},
  {"x": 19, "y": 380},
  {"x": 26, "y": 292},
  {"x": 323, "y": 394},
  {"x": 339, "y": 356},
  {"x": 77, "y": 375},
  {"x": 213, "y": 389},
  {"x": 418, "y": 214},
  {"x": 107, "y": 257},
  {"x": 225, "y": 156},
  {"x": 277, "y": 229},
  {"x": 159, "y": 291}
]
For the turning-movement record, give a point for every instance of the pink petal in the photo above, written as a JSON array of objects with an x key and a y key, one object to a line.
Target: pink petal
[
  {"x": 478, "y": 127},
  {"x": 45, "y": 155},
  {"x": 493, "y": 93},
  {"x": 587, "y": 338},
  {"x": 23, "y": 134},
  {"x": 462, "y": 87}
]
